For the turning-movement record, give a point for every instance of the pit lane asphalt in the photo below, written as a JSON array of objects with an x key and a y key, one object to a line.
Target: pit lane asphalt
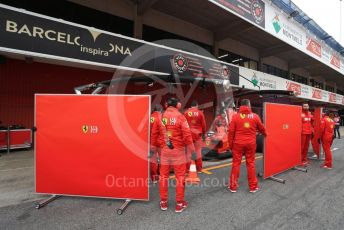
[{"x": 313, "y": 200}]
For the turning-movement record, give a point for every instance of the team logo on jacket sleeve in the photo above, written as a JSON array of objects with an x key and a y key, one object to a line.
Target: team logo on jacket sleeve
[{"x": 152, "y": 119}]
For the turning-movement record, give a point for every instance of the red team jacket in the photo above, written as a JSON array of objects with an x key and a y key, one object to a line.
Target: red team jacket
[
  {"x": 327, "y": 128},
  {"x": 244, "y": 126},
  {"x": 177, "y": 129},
  {"x": 307, "y": 123},
  {"x": 196, "y": 120},
  {"x": 157, "y": 131}
]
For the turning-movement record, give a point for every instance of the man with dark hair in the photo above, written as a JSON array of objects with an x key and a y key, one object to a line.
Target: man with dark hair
[
  {"x": 220, "y": 120},
  {"x": 307, "y": 132},
  {"x": 336, "y": 119},
  {"x": 155, "y": 120},
  {"x": 196, "y": 120},
  {"x": 177, "y": 132},
  {"x": 326, "y": 138},
  {"x": 242, "y": 140}
]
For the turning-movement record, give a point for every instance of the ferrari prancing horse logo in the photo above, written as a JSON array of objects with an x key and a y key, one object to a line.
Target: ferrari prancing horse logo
[
  {"x": 84, "y": 129},
  {"x": 92, "y": 129}
]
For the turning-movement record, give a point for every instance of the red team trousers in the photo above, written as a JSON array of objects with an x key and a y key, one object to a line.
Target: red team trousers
[
  {"x": 172, "y": 159},
  {"x": 305, "y": 140},
  {"x": 249, "y": 151}
]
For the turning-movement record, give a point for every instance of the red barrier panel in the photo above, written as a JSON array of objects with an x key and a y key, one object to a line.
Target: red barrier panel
[
  {"x": 282, "y": 148},
  {"x": 81, "y": 149},
  {"x": 3, "y": 139},
  {"x": 19, "y": 139},
  {"x": 317, "y": 122}
]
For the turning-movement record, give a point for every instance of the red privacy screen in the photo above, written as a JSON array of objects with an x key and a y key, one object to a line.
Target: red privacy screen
[
  {"x": 92, "y": 145},
  {"x": 282, "y": 149}
]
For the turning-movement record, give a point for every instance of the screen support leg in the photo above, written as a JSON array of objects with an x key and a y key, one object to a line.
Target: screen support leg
[
  {"x": 300, "y": 169},
  {"x": 47, "y": 201},
  {"x": 279, "y": 180},
  {"x": 124, "y": 206}
]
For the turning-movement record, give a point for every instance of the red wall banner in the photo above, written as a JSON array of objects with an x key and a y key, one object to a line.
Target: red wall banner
[
  {"x": 92, "y": 145},
  {"x": 282, "y": 146}
]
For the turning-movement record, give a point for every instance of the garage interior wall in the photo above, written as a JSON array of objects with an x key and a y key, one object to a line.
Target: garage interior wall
[{"x": 20, "y": 81}]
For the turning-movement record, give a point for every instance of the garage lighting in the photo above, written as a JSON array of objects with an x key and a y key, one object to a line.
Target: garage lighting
[
  {"x": 236, "y": 60},
  {"x": 223, "y": 56},
  {"x": 293, "y": 14}
]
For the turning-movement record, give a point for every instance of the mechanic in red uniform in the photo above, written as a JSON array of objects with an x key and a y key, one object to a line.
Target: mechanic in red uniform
[
  {"x": 326, "y": 137},
  {"x": 242, "y": 140},
  {"x": 196, "y": 120},
  {"x": 177, "y": 136},
  {"x": 220, "y": 119},
  {"x": 307, "y": 132},
  {"x": 155, "y": 120}
]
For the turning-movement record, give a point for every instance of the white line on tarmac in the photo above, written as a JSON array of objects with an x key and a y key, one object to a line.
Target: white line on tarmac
[
  {"x": 6, "y": 170},
  {"x": 334, "y": 149}
]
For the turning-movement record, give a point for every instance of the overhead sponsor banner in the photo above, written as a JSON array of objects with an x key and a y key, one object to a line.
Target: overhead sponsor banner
[
  {"x": 289, "y": 31},
  {"x": 314, "y": 47},
  {"x": 335, "y": 61},
  {"x": 295, "y": 87},
  {"x": 31, "y": 33},
  {"x": 260, "y": 80},
  {"x": 316, "y": 93},
  {"x": 257, "y": 80},
  {"x": 306, "y": 91},
  {"x": 339, "y": 99},
  {"x": 332, "y": 98},
  {"x": 278, "y": 24},
  {"x": 325, "y": 96},
  {"x": 82, "y": 150},
  {"x": 252, "y": 10},
  {"x": 189, "y": 65},
  {"x": 22, "y": 32},
  {"x": 279, "y": 154}
]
